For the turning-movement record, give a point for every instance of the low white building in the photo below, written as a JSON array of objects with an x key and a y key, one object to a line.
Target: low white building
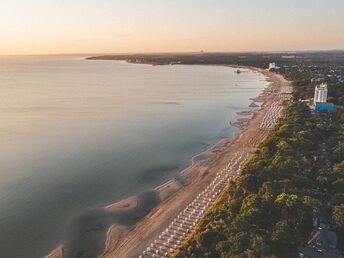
[
  {"x": 320, "y": 93},
  {"x": 273, "y": 66}
]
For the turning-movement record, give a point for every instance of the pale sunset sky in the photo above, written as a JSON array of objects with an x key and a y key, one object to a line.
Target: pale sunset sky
[{"x": 122, "y": 26}]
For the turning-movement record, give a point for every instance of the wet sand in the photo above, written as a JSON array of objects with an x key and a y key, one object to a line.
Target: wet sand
[{"x": 126, "y": 228}]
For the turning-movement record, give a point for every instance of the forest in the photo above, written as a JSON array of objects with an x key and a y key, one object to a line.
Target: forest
[{"x": 295, "y": 176}]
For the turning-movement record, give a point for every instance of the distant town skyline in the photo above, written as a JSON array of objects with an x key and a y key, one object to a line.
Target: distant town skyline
[{"x": 132, "y": 26}]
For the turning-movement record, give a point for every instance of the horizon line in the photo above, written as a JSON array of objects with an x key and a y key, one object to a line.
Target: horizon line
[{"x": 180, "y": 52}]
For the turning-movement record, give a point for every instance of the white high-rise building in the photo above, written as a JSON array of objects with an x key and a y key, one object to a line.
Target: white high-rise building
[{"x": 320, "y": 93}]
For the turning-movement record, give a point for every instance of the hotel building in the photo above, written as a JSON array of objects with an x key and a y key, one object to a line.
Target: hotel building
[{"x": 320, "y": 93}]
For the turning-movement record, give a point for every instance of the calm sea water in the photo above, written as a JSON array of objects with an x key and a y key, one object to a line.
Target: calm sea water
[{"x": 79, "y": 134}]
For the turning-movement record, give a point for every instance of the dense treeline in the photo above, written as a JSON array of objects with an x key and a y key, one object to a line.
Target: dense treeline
[
  {"x": 269, "y": 208},
  {"x": 302, "y": 77},
  {"x": 295, "y": 176},
  {"x": 260, "y": 59}
]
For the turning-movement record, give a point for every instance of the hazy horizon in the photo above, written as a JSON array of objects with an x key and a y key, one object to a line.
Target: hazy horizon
[
  {"x": 175, "y": 52},
  {"x": 39, "y": 27}
]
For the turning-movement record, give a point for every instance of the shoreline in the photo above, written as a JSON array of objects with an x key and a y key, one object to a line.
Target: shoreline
[{"x": 172, "y": 196}]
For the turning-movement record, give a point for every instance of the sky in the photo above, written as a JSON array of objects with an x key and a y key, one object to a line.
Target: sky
[{"x": 132, "y": 26}]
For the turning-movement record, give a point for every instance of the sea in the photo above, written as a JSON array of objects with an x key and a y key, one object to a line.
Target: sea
[{"x": 77, "y": 134}]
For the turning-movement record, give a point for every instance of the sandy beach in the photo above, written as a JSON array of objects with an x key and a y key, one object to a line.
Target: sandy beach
[{"x": 145, "y": 219}]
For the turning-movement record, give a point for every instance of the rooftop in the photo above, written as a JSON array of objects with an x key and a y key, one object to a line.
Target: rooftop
[{"x": 321, "y": 244}]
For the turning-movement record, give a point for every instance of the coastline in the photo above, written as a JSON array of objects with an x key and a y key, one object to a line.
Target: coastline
[{"x": 145, "y": 223}]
